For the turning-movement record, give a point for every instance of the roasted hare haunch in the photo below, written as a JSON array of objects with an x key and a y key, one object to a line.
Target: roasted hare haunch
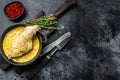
[{"x": 22, "y": 42}]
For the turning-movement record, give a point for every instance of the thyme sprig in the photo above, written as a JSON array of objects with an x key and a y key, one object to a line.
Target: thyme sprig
[{"x": 45, "y": 22}]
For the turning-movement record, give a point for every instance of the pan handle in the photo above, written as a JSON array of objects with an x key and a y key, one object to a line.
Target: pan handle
[
  {"x": 65, "y": 6},
  {"x": 43, "y": 36}
]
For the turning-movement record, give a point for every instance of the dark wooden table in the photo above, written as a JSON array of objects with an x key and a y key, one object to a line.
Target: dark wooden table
[{"x": 94, "y": 51}]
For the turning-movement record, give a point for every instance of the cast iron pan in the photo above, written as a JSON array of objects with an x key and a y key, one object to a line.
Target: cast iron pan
[
  {"x": 41, "y": 35},
  {"x": 3, "y": 54}
]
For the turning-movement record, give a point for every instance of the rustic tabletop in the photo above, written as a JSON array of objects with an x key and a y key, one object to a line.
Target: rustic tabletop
[{"x": 94, "y": 50}]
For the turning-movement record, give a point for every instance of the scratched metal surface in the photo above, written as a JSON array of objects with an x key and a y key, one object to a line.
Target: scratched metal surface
[{"x": 94, "y": 51}]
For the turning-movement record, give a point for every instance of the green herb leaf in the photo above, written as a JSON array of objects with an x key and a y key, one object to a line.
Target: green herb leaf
[{"x": 44, "y": 21}]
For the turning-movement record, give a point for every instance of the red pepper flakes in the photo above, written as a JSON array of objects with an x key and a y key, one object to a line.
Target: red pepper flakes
[{"x": 14, "y": 9}]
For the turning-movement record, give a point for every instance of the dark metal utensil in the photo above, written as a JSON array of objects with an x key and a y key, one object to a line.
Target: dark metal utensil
[
  {"x": 47, "y": 59},
  {"x": 55, "y": 43}
]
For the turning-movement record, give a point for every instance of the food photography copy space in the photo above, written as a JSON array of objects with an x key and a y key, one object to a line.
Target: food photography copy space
[{"x": 59, "y": 39}]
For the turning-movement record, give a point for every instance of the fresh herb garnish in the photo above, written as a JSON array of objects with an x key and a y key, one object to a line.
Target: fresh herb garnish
[{"x": 45, "y": 22}]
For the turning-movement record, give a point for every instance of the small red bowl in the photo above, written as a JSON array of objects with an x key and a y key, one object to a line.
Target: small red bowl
[{"x": 14, "y": 10}]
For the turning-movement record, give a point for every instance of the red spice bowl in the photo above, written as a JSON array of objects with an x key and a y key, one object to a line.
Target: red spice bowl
[{"x": 14, "y": 10}]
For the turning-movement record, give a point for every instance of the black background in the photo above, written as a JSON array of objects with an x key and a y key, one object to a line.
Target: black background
[{"x": 94, "y": 50}]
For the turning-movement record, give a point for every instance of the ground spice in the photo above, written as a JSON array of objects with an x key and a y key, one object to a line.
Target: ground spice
[{"x": 14, "y": 10}]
